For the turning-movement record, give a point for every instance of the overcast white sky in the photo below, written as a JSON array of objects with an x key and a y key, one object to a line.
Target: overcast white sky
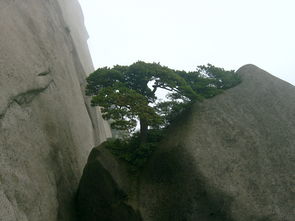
[{"x": 183, "y": 34}]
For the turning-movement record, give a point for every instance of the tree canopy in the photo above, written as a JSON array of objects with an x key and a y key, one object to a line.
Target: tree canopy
[{"x": 127, "y": 94}]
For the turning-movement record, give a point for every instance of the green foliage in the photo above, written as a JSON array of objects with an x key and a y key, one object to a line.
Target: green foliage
[
  {"x": 124, "y": 94},
  {"x": 127, "y": 93},
  {"x": 219, "y": 77},
  {"x": 170, "y": 110},
  {"x": 209, "y": 80},
  {"x": 134, "y": 152}
]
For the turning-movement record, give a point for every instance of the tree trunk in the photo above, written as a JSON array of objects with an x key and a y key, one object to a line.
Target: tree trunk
[{"x": 143, "y": 130}]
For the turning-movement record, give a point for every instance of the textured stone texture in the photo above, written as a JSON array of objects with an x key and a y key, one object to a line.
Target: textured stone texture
[
  {"x": 99, "y": 196},
  {"x": 47, "y": 128},
  {"x": 231, "y": 157}
]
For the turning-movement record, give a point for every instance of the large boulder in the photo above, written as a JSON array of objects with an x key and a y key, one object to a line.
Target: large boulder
[
  {"x": 47, "y": 127},
  {"x": 99, "y": 196},
  {"x": 229, "y": 158}
]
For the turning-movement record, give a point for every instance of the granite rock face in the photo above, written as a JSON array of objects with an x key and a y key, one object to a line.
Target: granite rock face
[
  {"x": 99, "y": 195},
  {"x": 47, "y": 127},
  {"x": 229, "y": 158}
]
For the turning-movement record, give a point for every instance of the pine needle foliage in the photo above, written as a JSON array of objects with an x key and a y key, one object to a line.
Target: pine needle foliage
[{"x": 127, "y": 95}]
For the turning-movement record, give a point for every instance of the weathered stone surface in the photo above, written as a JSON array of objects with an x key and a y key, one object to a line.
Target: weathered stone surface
[
  {"x": 47, "y": 128},
  {"x": 231, "y": 158},
  {"x": 99, "y": 196}
]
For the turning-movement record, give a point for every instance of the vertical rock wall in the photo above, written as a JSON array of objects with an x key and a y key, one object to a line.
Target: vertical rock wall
[{"x": 47, "y": 127}]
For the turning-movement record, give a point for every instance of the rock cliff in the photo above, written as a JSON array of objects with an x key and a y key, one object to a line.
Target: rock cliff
[
  {"x": 229, "y": 158},
  {"x": 47, "y": 127}
]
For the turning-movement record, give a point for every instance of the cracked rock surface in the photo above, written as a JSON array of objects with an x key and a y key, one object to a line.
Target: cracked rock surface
[{"x": 46, "y": 130}]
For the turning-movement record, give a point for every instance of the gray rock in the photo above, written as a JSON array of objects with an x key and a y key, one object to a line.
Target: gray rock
[
  {"x": 99, "y": 196},
  {"x": 47, "y": 127},
  {"x": 231, "y": 157}
]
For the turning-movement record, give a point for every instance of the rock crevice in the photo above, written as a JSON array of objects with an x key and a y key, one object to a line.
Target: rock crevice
[
  {"x": 26, "y": 97},
  {"x": 46, "y": 131}
]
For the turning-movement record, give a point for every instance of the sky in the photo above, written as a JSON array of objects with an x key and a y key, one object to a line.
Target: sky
[{"x": 183, "y": 34}]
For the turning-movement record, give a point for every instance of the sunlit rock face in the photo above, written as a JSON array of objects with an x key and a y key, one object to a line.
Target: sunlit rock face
[
  {"x": 229, "y": 158},
  {"x": 47, "y": 128}
]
